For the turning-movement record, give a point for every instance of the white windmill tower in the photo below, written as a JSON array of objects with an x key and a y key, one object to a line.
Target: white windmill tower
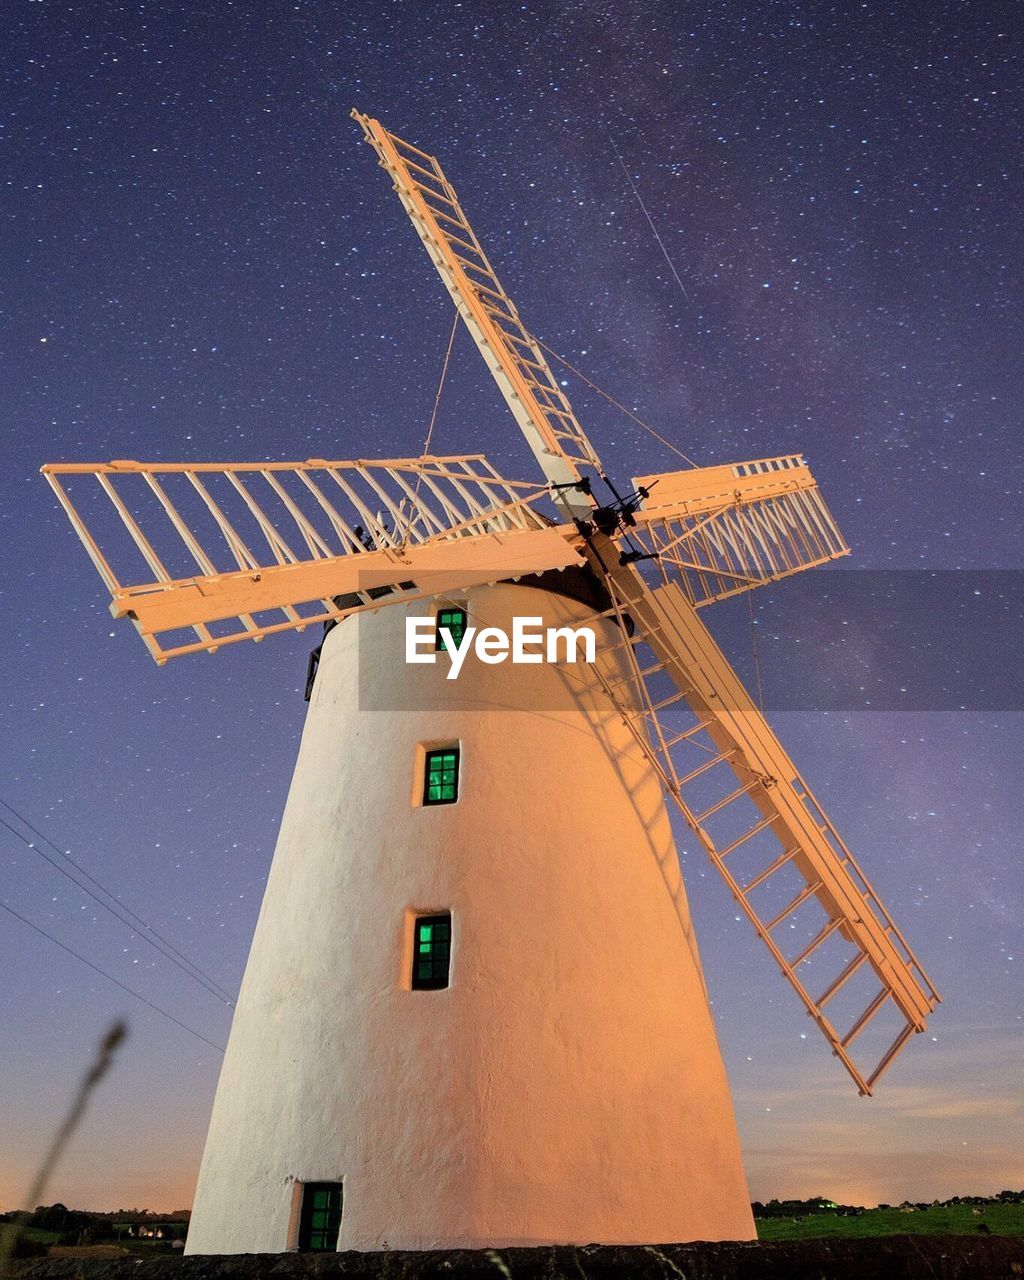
[{"x": 473, "y": 1012}]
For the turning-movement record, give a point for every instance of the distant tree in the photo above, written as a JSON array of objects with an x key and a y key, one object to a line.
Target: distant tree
[
  {"x": 49, "y": 1217},
  {"x": 60, "y": 1219}
]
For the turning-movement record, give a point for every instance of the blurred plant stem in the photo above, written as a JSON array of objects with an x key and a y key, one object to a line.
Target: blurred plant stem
[{"x": 10, "y": 1232}]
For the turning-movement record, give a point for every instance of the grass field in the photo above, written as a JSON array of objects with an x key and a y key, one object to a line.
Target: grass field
[
  {"x": 956, "y": 1219},
  {"x": 39, "y": 1236}
]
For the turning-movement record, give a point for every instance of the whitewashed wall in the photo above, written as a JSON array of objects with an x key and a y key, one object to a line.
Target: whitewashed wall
[{"x": 568, "y": 1086}]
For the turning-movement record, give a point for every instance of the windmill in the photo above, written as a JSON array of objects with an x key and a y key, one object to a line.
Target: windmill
[{"x": 474, "y": 1012}]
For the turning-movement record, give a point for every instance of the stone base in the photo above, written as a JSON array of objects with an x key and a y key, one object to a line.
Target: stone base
[{"x": 882, "y": 1258}]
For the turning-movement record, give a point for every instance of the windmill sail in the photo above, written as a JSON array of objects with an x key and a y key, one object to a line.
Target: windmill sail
[
  {"x": 721, "y": 530},
  {"x": 204, "y": 555},
  {"x": 515, "y": 360},
  {"x": 784, "y": 862}
]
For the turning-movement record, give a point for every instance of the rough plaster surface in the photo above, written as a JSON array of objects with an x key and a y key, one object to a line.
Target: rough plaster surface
[{"x": 567, "y": 1086}]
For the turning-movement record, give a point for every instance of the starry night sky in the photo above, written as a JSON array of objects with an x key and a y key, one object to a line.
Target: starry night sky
[{"x": 202, "y": 261}]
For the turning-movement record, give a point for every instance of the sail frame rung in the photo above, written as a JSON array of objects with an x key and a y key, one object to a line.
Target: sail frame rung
[
  {"x": 873, "y": 1008},
  {"x": 756, "y": 829},
  {"x": 808, "y": 891},
  {"x": 705, "y": 767},
  {"x": 890, "y": 1054},
  {"x": 783, "y": 858},
  {"x": 819, "y": 938},
  {"x": 841, "y": 980},
  {"x": 729, "y": 799}
]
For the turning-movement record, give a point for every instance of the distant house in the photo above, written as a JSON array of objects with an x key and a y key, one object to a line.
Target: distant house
[{"x": 150, "y": 1229}]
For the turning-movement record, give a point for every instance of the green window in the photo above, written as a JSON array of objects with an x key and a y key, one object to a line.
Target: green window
[
  {"x": 320, "y": 1219},
  {"x": 441, "y": 776},
  {"x": 432, "y": 952},
  {"x": 455, "y": 621}
]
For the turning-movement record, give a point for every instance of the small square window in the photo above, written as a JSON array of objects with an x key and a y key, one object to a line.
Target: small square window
[
  {"x": 455, "y": 622},
  {"x": 441, "y": 776},
  {"x": 320, "y": 1218},
  {"x": 432, "y": 950}
]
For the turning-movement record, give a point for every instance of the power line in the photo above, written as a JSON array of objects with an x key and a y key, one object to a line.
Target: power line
[
  {"x": 119, "y": 911},
  {"x": 611, "y": 400},
  {"x": 110, "y": 977}
]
